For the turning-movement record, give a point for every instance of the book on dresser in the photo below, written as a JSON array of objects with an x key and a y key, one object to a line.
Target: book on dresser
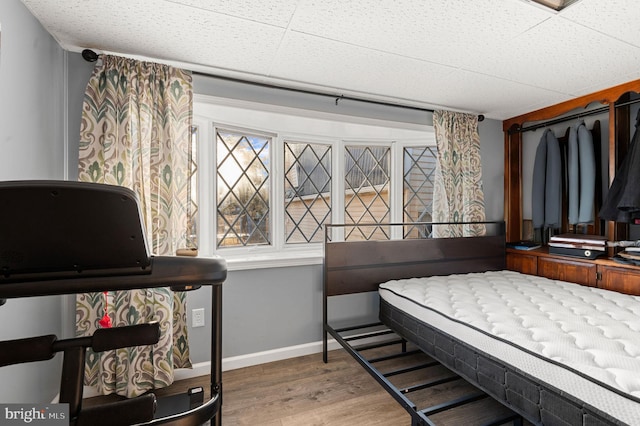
[
  {"x": 595, "y": 240},
  {"x": 523, "y": 245},
  {"x": 583, "y": 246},
  {"x": 578, "y": 245},
  {"x": 581, "y": 253},
  {"x": 630, "y": 254}
]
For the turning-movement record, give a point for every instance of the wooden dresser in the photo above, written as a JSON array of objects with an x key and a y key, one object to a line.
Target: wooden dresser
[{"x": 602, "y": 272}]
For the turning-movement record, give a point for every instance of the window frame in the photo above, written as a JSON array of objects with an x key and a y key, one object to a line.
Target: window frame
[{"x": 279, "y": 253}]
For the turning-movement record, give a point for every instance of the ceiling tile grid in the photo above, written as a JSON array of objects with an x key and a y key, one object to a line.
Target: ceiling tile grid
[
  {"x": 167, "y": 33},
  {"x": 440, "y": 31},
  {"x": 558, "y": 55},
  {"x": 272, "y": 12},
  {"x": 619, "y": 19},
  {"x": 496, "y": 57},
  {"x": 334, "y": 64}
]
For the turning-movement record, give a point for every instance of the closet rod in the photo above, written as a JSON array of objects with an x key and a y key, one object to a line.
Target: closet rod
[
  {"x": 90, "y": 56},
  {"x": 559, "y": 120},
  {"x": 570, "y": 117}
]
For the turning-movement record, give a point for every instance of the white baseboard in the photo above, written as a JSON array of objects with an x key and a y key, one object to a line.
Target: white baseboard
[
  {"x": 241, "y": 361},
  {"x": 279, "y": 354},
  {"x": 257, "y": 358}
]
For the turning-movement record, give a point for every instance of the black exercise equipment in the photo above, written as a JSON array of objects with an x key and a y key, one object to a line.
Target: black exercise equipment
[{"x": 59, "y": 237}]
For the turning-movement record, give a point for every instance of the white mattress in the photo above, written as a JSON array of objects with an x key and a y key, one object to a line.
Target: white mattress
[{"x": 553, "y": 330}]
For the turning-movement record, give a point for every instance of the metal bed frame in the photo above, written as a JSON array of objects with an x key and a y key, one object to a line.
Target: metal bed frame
[
  {"x": 402, "y": 394},
  {"x": 360, "y": 266}
]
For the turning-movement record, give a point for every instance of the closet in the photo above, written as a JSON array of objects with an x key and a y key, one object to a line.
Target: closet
[{"x": 615, "y": 104}]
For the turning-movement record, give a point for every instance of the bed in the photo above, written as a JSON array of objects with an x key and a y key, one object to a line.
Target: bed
[{"x": 551, "y": 352}]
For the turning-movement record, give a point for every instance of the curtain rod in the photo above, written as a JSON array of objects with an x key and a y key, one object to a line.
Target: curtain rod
[
  {"x": 570, "y": 117},
  {"x": 91, "y": 56}
]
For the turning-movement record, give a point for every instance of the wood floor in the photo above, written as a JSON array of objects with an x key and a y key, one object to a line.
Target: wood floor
[{"x": 305, "y": 391}]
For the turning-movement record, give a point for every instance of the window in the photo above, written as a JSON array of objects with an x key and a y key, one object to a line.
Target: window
[
  {"x": 307, "y": 191},
  {"x": 192, "y": 190},
  {"x": 243, "y": 180},
  {"x": 419, "y": 164},
  {"x": 270, "y": 181},
  {"x": 367, "y": 180}
]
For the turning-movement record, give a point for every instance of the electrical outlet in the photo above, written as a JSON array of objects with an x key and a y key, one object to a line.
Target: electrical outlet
[{"x": 197, "y": 317}]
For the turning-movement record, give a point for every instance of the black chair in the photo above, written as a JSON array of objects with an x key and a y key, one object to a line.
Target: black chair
[{"x": 59, "y": 237}]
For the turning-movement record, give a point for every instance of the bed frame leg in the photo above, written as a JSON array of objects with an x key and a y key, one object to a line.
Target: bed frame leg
[
  {"x": 417, "y": 421},
  {"x": 325, "y": 317},
  {"x": 324, "y": 346}
]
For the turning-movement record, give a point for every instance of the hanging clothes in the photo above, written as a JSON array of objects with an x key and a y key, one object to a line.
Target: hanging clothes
[
  {"x": 546, "y": 191},
  {"x": 581, "y": 175},
  {"x": 622, "y": 203},
  {"x": 573, "y": 176},
  {"x": 587, "y": 162}
]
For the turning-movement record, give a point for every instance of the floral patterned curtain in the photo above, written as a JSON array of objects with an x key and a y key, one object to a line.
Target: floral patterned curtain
[
  {"x": 457, "y": 195},
  {"x": 135, "y": 132}
]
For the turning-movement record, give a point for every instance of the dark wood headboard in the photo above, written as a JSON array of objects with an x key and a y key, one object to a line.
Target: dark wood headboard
[{"x": 360, "y": 266}]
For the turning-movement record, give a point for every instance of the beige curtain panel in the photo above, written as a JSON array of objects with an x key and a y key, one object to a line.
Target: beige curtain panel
[
  {"x": 457, "y": 194},
  {"x": 135, "y": 132}
]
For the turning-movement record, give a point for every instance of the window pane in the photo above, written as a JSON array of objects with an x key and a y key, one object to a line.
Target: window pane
[
  {"x": 419, "y": 164},
  {"x": 367, "y": 190},
  {"x": 243, "y": 189},
  {"x": 307, "y": 191},
  {"x": 192, "y": 190}
]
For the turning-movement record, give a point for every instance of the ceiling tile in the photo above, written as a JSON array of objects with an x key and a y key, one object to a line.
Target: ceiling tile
[
  {"x": 618, "y": 18},
  {"x": 272, "y": 12},
  {"x": 558, "y": 55},
  {"x": 497, "y": 57},
  {"x": 355, "y": 69},
  {"x": 344, "y": 67},
  {"x": 440, "y": 31},
  {"x": 494, "y": 97},
  {"x": 163, "y": 31}
]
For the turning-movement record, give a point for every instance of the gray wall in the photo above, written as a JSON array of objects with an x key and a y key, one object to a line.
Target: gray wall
[
  {"x": 79, "y": 72},
  {"x": 31, "y": 147},
  {"x": 492, "y": 154},
  {"x": 272, "y": 96},
  {"x": 272, "y": 308}
]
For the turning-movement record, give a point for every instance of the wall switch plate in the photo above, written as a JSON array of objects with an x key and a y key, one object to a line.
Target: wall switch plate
[{"x": 197, "y": 317}]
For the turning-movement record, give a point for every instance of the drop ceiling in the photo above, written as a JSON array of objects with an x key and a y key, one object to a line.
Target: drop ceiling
[{"x": 500, "y": 58}]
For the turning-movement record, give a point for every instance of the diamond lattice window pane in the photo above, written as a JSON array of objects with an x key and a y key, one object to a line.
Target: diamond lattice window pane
[
  {"x": 192, "y": 191},
  {"x": 367, "y": 180},
  {"x": 307, "y": 186},
  {"x": 242, "y": 189},
  {"x": 419, "y": 167}
]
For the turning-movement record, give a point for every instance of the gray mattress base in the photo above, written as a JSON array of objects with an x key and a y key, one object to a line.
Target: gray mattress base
[{"x": 538, "y": 402}]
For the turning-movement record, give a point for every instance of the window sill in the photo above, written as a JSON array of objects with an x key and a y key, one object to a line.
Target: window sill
[{"x": 282, "y": 259}]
